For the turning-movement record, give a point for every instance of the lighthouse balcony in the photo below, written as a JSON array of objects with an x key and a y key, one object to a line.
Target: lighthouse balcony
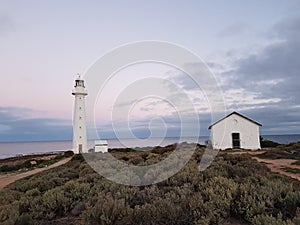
[{"x": 79, "y": 92}]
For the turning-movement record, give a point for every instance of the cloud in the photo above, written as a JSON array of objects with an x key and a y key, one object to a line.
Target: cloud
[
  {"x": 158, "y": 126},
  {"x": 287, "y": 29},
  {"x": 270, "y": 81},
  {"x": 15, "y": 125},
  {"x": 276, "y": 119},
  {"x": 234, "y": 30},
  {"x": 276, "y": 65},
  {"x": 264, "y": 84}
]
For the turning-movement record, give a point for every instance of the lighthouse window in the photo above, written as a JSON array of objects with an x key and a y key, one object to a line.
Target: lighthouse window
[
  {"x": 80, "y": 137},
  {"x": 79, "y": 127},
  {"x": 79, "y": 107},
  {"x": 80, "y": 117},
  {"x": 80, "y": 98}
]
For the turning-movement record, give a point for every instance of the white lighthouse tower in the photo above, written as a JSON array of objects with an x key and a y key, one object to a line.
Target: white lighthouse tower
[{"x": 79, "y": 120}]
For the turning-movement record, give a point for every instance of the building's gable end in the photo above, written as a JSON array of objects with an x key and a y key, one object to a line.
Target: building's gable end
[{"x": 234, "y": 113}]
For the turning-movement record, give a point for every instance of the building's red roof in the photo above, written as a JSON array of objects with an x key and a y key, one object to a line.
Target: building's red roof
[{"x": 238, "y": 115}]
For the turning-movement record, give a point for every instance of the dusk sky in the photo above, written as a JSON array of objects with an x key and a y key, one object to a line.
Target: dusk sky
[{"x": 252, "y": 47}]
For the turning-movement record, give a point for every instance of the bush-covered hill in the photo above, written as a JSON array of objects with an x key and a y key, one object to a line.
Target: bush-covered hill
[{"x": 233, "y": 188}]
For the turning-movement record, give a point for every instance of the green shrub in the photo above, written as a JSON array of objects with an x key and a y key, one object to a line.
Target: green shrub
[
  {"x": 106, "y": 210},
  {"x": 77, "y": 157},
  {"x": 267, "y": 220},
  {"x": 161, "y": 150},
  {"x": 291, "y": 170},
  {"x": 24, "y": 219},
  {"x": 115, "y": 150},
  {"x": 136, "y": 160},
  {"x": 9, "y": 213},
  {"x": 296, "y": 163},
  {"x": 172, "y": 208},
  {"x": 59, "y": 201},
  {"x": 68, "y": 154},
  {"x": 9, "y": 168},
  {"x": 258, "y": 195},
  {"x": 59, "y": 157},
  {"x": 218, "y": 194},
  {"x": 267, "y": 143},
  {"x": 232, "y": 186}
]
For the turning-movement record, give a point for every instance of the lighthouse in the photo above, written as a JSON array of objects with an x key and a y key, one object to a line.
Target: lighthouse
[{"x": 79, "y": 120}]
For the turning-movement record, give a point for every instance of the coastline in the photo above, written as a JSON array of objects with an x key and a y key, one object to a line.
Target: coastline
[
  {"x": 28, "y": 148},
  {"x": 29, "y": 157}
]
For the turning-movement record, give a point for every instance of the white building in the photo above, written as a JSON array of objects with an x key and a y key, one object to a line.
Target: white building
[
  {"x": 79, "y": 117},
  {"x": 235, "y": 131},
  {"x": 101, "y": 146}
]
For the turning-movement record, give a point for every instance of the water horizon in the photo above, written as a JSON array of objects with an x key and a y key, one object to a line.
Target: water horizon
[{"x": 18, "y": 148}]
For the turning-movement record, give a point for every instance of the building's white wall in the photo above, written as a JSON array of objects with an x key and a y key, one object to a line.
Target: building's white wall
[
  {"x": 101, "y": 146},
  {"x": 221, "y": 133},
  {"x": 102, "y": 149},
  {"x": 79, "y": 124}
]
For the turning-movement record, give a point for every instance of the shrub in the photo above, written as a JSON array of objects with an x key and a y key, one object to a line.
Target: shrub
[
  {"x": 161, "y": 150},
  {"x": 77, "y": 157},
  {"x": 232, "y": 186},
  {"x": 8, "y": 168},
  {"x": 60, "y": 200},
  {"x": 267, "y": 220},
  {"x": 50, "y": 205},
  {"x": 33, "y": 192},
  {"x": 24, "y": 219},
  {"x": 121, "y": 150},
  {"x": 173, "y": 208},
  {"x": 291, "y": 170},
  {"x": 9, "y": 213},
  {"x": 136, "y": 160},
  {"x": 267, "y": 143},
  {"x": 258, "y": 195},
  {"x": 218, "y": 194},
  {"x": 106, "y": 210},
  {"x": 68, "y": 154}
]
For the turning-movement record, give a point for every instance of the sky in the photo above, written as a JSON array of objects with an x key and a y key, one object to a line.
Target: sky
[{"x": 251, "y": 47}]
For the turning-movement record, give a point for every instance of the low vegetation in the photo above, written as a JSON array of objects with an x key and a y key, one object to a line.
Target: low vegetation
[
  {"x": 33, "y": 163},
  {"x": 292, "y": 170},
  {"x": 297, "y": 163},
  {"x": 234, "y": 187},
  {"x": 280, "y": 153},
  {"x": 267, "y": 143}
]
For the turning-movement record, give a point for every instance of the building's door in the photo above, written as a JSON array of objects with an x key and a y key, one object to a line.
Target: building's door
[
  {"x": 236, "y": 143},
  {"x": 80, "y": 148}
]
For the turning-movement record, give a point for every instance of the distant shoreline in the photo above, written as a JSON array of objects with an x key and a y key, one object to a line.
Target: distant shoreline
[
  {"x": 29, "y": 156},
  {"x": 15, "y": 149},
  {"x": 205, "y": 136}
]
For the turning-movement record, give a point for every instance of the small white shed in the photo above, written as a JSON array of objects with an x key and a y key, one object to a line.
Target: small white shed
[
  {"x": 101, "y": 146},
  {"x": 235, "y": 131}
]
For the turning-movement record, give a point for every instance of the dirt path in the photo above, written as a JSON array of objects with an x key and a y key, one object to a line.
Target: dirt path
[
  {"x": 248, "y": 152},
  {"x": 275, "y": 165},
  {"x": 10, "y": 178}
]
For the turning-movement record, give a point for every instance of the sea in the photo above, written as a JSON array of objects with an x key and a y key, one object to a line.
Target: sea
[{"x": 12, "y": 149}]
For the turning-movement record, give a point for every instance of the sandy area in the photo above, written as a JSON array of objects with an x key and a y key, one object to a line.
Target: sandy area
[
  {"x": 12, "y": 177},
  {"x": 247, "y": 152},
  {"x": 275, "y": 165}
]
